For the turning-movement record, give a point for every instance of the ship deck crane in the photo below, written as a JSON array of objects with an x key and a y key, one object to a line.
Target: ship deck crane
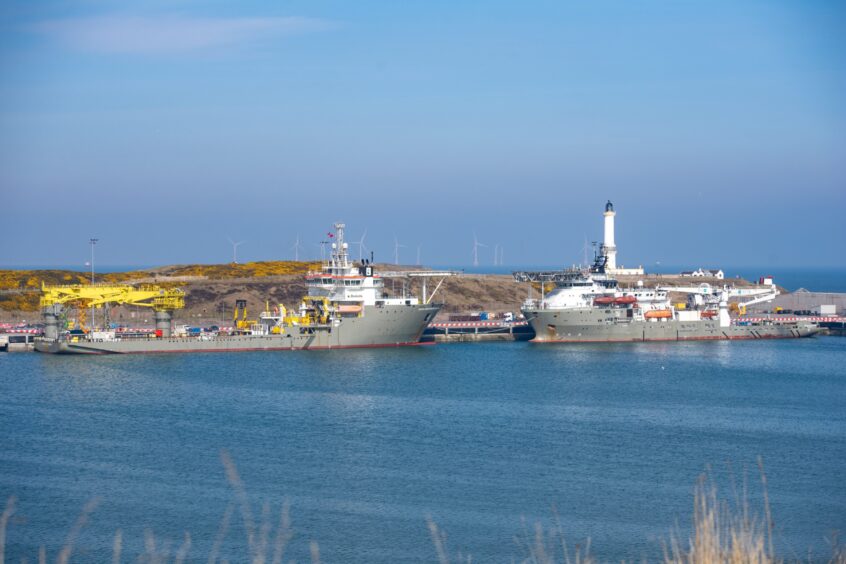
[
  {"x": 163, "y": 301},
  {"x": 716, "y": 293},
  {"x": 423, "y": 275},
  {"x": 710, "y": 295}
]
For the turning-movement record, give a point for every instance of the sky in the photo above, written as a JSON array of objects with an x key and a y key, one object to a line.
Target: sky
[{"x": 167, "y": 128}]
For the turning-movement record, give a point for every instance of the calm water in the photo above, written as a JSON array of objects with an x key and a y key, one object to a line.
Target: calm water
[{"x": 364, "y": 444}]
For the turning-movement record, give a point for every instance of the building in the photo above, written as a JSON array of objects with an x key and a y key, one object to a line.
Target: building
[
  {"x": 609, "y": 247},
  {"x": 692, "y": 273},
  {"x": 803, "y": 302},
  {"x": 701, "y": 273}
]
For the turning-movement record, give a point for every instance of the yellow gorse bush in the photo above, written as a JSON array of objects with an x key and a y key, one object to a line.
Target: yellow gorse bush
[{"x": 19, "y": 288}]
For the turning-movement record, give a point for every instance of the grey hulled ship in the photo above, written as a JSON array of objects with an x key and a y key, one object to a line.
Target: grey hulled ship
[
  {"x": 588, "y": 305},
  {"x": 346, "y": 307}
]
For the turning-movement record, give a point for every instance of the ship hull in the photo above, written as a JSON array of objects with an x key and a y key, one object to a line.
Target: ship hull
[
  {"x": 595, "y": 325},
  {"x": 379, "y": 326}
]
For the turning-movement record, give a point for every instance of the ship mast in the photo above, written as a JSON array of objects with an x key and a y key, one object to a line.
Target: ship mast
[{"x": 339, "y": 248}]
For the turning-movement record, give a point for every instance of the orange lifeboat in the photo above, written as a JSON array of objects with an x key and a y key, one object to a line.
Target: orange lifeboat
[
  {"x": 708, "y": 314},
  {"x": 658, "y": 314},
  {"x": 625, "y": 300},
  {"x": 603, "y": 300}
]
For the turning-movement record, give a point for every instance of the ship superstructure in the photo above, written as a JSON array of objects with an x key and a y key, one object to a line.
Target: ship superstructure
[
  {"x": 342, "y": 289},
  {"x": 346, "y": 306}
]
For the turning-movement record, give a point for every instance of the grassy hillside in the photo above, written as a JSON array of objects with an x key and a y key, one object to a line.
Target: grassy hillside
[
  {"x": 211, "y": 289},
  {"x": 19, "y": 289}
]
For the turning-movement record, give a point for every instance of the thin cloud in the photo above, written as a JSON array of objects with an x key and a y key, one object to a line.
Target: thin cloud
[{"x": 167, "y": 34}]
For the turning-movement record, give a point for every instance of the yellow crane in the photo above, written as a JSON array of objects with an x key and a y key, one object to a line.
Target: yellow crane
[
  {"x": 162, "y": 300},
  {"x": 148, "y": 295},
  {"x": 241, "y": 311}
]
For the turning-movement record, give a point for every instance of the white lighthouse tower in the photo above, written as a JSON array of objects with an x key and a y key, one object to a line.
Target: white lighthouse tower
[{"x": 608, "y": 246}]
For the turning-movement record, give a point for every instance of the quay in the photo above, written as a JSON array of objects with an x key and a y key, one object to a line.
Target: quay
[
  {"x": 19, "y": 340},
  {"x": 804, "y": 301},
  {"x": 831, "y": 325},
  {"x": 474, "y": 331}
]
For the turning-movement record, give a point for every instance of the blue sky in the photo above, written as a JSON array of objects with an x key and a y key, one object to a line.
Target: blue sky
[{"x": 163, "y": 128}]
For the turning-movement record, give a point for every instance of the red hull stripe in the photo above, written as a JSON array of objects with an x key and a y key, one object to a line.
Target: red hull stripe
[
  {"x": 254, "y": 349},
  {"x": 716, "y": 338},
  {"x": 477, "y": 324},
  {"x": 791, "y": 319}
]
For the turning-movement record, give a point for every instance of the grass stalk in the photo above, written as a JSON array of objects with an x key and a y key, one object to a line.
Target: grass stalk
[
  {"x": 67, "y": 549},
  {"x": 117, "y": 546},
  {"x": 4, "y": 520}
]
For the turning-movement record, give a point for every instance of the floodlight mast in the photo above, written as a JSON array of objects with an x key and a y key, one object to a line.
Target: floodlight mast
[{"x": 92, "y": 241}]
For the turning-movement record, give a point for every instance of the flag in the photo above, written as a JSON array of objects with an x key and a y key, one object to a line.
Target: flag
[{"x": 331, "y": 235}]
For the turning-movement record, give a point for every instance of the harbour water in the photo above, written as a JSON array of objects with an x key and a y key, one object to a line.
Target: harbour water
[{"x": 487, "y": 439}]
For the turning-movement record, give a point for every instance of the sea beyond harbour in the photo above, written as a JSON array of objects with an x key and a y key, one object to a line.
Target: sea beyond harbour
[{"x": 486, "y": 439}]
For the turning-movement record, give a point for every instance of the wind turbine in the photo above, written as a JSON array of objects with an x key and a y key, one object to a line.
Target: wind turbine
[
  {"x": 496, "y": 254},
  {"x": 397, "y": 247},
  {"x": 361, "y": 245},
  {"x": 476, "y": 245},
  {"x": 296, "y": 248},
  {"x": 501, "y": 254},
  {"x": 235, "y": 246}
]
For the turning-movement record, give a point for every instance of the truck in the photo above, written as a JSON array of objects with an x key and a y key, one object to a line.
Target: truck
[{"x": 827, "y": 310}]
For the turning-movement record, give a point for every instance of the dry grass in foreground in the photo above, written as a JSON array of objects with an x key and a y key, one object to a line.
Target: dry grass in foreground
[
  {"x": 731, "y": 533},
  {"x": 722, "y": 533}
]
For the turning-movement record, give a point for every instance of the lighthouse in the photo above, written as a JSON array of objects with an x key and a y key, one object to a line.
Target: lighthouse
[{"x": 608, "y": 246}]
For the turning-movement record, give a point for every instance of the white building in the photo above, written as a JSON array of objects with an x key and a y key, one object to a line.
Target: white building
[
  {"x": 701, "y": 273},
  {"x": 609, "y": 247},
  {"x": 692, "y": 273}
]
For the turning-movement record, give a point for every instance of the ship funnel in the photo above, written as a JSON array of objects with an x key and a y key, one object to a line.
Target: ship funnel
[
  {"x": 163, "y": 322},
  {"x": 51, "y": 321}
]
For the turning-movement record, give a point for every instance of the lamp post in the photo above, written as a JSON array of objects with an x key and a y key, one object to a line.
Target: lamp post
[{"x": 92, "y": 241}]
